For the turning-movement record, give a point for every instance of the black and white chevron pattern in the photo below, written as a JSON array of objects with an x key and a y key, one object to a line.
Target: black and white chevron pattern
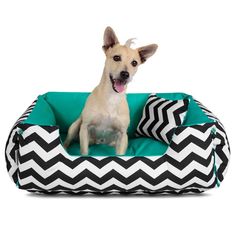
[
  {"x": 161, "y": 117},
  {"x": 222, "y": 150},
  {"x": 44, "y": 165},
  {"x": 193, "y": 162},
  {"x": 193, "y": 146},
  {"x": 12, "y": 146}
]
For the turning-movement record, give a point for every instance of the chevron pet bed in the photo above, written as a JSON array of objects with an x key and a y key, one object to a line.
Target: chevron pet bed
[{"x": 195, "y": 160}]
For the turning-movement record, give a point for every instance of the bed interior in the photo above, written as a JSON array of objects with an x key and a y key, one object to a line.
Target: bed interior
[{"x": 62, "y": 108}]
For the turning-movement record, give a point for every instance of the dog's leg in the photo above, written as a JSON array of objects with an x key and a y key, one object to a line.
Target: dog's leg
[
  {"x": 72, "y": 132},
  {"x": 122, "y": 143},
  {"x": 84, "y": 139}
]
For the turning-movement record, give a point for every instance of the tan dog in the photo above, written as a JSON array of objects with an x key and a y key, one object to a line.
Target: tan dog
[{"x": 105, "y": 117}]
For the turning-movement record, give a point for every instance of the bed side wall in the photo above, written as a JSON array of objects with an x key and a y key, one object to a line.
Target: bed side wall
[
  {"x": 222, "y": 147},
  {"x": 12, "y": 144}
]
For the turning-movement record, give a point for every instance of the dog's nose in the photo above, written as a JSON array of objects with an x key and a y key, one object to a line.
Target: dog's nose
[{"x": 124, "y": 74}]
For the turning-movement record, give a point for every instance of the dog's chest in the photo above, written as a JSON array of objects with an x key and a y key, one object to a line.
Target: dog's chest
[
  {"x": 107, "y": 120},
  {"x": 104, "y": 130}
]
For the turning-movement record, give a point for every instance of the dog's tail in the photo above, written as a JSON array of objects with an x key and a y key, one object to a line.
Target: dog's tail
[{"x": 73, "y": 132}]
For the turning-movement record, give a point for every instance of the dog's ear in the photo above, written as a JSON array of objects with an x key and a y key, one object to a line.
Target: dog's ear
[
  {"x": 109, "y": 38},
  {"x": 147, "y": 51}
]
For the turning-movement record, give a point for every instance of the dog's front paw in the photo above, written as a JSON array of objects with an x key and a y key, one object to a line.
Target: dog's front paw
[
  {"x": 84, "y": 153},
  {"x": 66, "y": 145},
  {"x": 120, "y": 153}
]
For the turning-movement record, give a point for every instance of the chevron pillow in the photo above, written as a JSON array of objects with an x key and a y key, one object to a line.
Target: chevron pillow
[{"x": 161, "y": 117}]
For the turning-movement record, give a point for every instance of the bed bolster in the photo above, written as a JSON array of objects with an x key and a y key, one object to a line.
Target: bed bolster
[
  {"x": 222, "y": 147},
  {"x": 194, "y": 144},
  {"x": 12, "y": 144}
]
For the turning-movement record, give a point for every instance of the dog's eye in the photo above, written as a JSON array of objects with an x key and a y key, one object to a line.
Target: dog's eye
[
  {"x": 134, "y": 63},
  {"x": 117, "y": 58}
]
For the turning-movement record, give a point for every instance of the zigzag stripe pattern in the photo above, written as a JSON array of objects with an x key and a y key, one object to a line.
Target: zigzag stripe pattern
[
  {"x": 196, "y": 160},
  {"x": 44, "y": 166},
  {"x": 137, "y": 192},
  {"x": 222, "y": 150},
  {"x": 11, "y": 148},
  {"x": 161, "y": 117}
]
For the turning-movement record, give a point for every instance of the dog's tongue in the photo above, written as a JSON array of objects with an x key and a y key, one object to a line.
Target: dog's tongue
[{"x": 119, "y": 86}]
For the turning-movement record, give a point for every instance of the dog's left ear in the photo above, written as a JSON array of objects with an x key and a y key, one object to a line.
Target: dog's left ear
[
  {"x": 147, "y": 51},
  {"x": 109, "y": 38}
]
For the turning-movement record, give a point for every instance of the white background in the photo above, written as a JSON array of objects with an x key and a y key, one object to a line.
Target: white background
[{"x": 56, "y": 46}]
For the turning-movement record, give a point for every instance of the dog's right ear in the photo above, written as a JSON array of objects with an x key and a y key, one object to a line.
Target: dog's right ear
[{"x": 109, "y": 38}]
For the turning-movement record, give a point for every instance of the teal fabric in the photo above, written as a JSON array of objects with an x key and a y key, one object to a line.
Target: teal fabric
[
  {"x": 63, "y": 108},
  {"x": 42, "y": 113},
  {"x": 195, "y": 115},
  {"x": 136, "y": 147}
]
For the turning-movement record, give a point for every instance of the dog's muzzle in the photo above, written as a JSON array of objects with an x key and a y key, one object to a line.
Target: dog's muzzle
[{"x": 118, "y": 84}]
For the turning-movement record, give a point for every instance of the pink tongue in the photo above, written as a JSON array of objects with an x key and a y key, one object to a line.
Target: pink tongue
[{"x": 119, "y": 86}]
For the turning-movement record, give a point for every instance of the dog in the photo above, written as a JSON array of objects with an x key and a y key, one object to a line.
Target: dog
[{"x": 105, "y": 116}]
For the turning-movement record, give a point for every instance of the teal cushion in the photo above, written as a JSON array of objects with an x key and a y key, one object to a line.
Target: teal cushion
[{"x": 136, "y": 147}]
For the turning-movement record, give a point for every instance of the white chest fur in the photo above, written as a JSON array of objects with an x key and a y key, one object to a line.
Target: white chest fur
[{"x": 106, "y": 124}]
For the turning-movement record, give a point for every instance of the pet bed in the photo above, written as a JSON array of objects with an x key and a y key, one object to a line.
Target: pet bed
[{"x": 195, "y": 160}]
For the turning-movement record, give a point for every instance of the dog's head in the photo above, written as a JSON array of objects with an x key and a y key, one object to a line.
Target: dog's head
[{"x": 122, "y": 61}]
